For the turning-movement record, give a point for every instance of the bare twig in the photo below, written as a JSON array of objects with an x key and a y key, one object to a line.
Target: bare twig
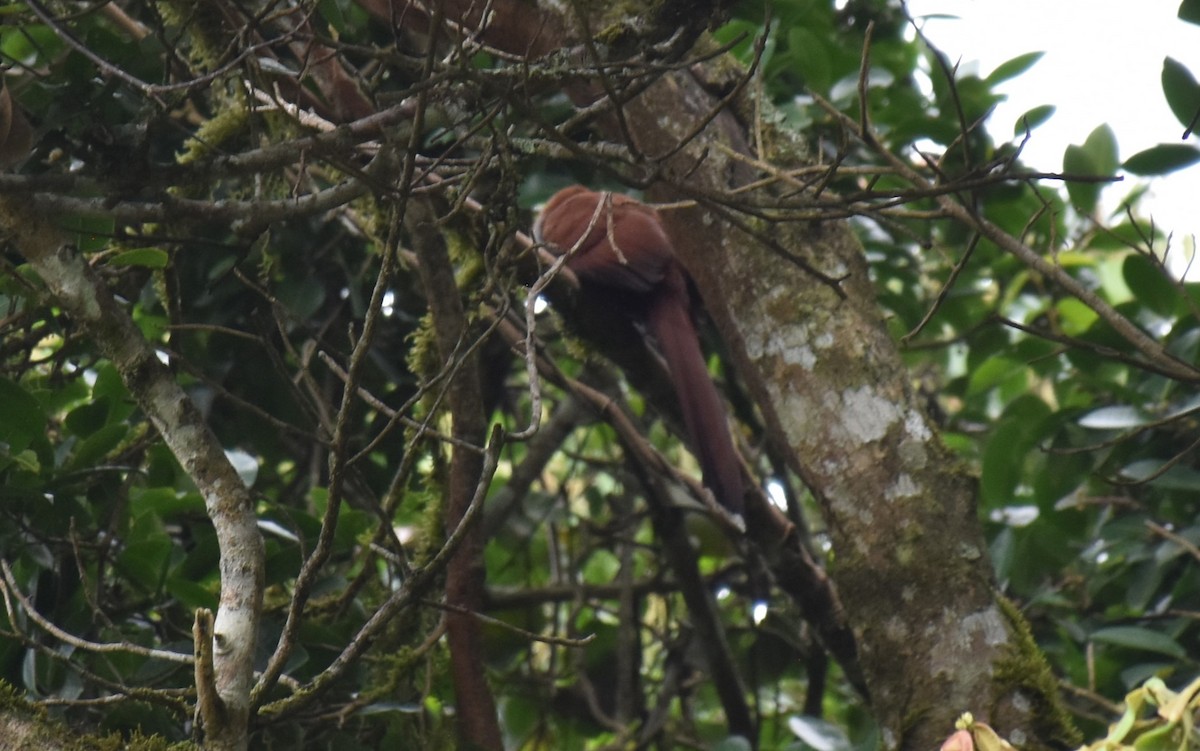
[
  {"x": 9, "y": 584},
  {"x": 1152, "y": 350},
  {"x": 558, "y": 641},
  {"x": 1179, "y": 540},
  {"x": 407, "y": 595}
]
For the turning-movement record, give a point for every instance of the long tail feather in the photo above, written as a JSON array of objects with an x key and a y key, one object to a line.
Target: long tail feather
[{"x": 703, "y": 411}]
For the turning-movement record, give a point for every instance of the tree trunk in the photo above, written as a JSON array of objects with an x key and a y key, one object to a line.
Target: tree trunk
[{"x": 910, "y": 562}]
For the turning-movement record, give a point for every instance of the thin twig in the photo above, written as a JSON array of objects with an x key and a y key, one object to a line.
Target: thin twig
[
  {"x": 558, "y": 641},
  {"x": 1153, "y": 350},
  {"x": 103, "y": 647},
  {"x": 1179, "y": 540},
  {"x": 408, "y": 594}
]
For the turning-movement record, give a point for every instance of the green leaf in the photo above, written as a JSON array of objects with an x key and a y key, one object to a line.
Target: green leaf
[
  {"x": 152, "y": 326},
  {"x": 1151, "y": 471},
  {"x": 1033, "y": 118},
  {"x": 1150, "y": 285},
  {"x": 1101, "y": 146},
  {"x": 1000, "y": 470},
  {"x": 993, "y": 372},
  {"x": 1189, "y": 10},
  {"x": 1181, "y": 90},
  {"x": 1162, "y": 738},
  {"x": 97, "y": 445},
  {"x": 190, "y": 593},
  {"x": 1179, "y": 409},
  {"x": 90, "y": 232},
  {"x": 165, "y": 502},
  {"x": 1136, "y": 637},
  {"x": 1075, "y": 317},
  {"x": 28, "y": 461},
  {"x": 145, "y": 561},
  {"x": 1013, "y": 68},
  {"x": 302, "y": 297},
  {"x": 1162, "y": 159},
  {"x": 31, "y": 43},
  {"x": 88, "y": 418},
  {"x": 810, "y": 58},
  {"x": 1084, "y": 195},
  {"x": 150, "y": 258},
  {"x": 23, "y": 419},
  {"x": 108, "y": 386},
  {"x": 433, "y": 706},
  {"x": 1097, "y": 156}
]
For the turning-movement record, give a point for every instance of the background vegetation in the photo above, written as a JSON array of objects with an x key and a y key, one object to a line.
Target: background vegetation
[{"x": 167, "y": 149}]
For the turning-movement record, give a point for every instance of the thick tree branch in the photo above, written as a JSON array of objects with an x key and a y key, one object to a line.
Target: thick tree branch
[
  {"x": 90, "y": 304},
  {"x": 478, "y": 722}
]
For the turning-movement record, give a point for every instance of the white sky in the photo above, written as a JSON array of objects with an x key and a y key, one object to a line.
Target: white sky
[{"x": 1103, "y": 64}]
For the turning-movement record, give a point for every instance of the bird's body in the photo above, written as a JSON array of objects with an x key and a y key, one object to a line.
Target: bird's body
[{"x": 620, "y": 251}]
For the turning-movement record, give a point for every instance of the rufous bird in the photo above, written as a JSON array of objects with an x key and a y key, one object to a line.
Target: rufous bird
[{"x": 627, "y": 260}]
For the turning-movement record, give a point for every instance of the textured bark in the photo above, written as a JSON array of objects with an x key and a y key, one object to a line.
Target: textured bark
[
  {"x": 911, "y": 562},
  {"x": 479, "y": 726}
]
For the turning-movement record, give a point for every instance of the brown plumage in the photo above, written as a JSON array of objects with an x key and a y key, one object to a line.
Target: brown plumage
[{"x": 627, "y": 258}]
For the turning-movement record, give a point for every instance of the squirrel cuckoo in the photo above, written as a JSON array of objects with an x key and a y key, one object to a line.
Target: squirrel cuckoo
[{"x": 626, "y": 261}]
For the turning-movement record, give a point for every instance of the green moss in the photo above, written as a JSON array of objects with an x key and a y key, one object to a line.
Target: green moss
[
  {"x": 13, "y": 700},
  {"x": 217, "y": 131},
  {"x": 44, "y": 731},
  {"x": 424, "y": 360},
  {"x": 139, "y": 742},
  {"x": 1024, "y": 669},
  {"x": 422, "y": 351},
  {"x": 464, "y": 254},
  {"x": 615, "y": 35},
  {"x": 205, "y": 27}
]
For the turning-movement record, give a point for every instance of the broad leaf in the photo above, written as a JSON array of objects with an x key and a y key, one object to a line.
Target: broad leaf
[
  {"x": 1136, "y": 637},
  {"x": 1189, "y": 10},
  {"x": 1033, "y": 118},
  {"x": 1149, "y": 283},
  {"x": 150, "y": 258},
  {"x": 23, "y": 417},
  {"x": 1097, "y": 156},
  {"x": 1181, "y": 90},
  {"x": 1013, "y": 68},
  {"x": 1162, "y": 159}
]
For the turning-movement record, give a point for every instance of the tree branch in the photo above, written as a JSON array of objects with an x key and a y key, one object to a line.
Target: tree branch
[
  {"x": 90, "y": 304},
  {"x": 479, "y": 724}
]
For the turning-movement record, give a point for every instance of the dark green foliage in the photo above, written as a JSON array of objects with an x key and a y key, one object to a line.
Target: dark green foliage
[{"x": 1087, "y": 461}]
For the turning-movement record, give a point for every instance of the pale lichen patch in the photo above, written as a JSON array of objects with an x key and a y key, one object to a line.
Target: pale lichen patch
[
  {"x": 896, "y": 629},
  {"x": 916, "y": 427},
  {"x": 989, "y": 624},
  {"x": 975, "y": 633},
  {"x": 903, "y": 487},
  {"x": 780, "y": 347},
  {"x": 866, "y": 415},
  {"x": 802, "y": 356}
]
